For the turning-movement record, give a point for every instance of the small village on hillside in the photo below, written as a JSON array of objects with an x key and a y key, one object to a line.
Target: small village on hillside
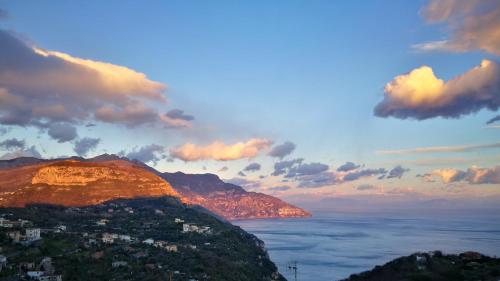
[{"x": 118, "y": 239}]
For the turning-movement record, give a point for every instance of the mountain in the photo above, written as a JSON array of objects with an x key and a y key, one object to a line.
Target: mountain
[
  {"x": 76, "y": 181},
  {"x": 73, "y": 182},
  {"x": 229, "y": 200}
]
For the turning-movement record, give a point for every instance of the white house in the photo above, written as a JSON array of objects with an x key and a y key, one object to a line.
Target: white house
[
  {"x": 119, "y": 263},
  {"x": 3, "y": 262},
  {"x": 125, "y": 238},
  {"x": 50, "y": 278},
  {"x": 32, "y": 234},
  {"x": 108, "y": 238},
  {"x": 34, "y": 274},
  {"x": 102, "y": 222},
  {"x": 187, "y": 227},
  {"x": 149, "y": 241},
  {"x": 5, "y": 223}
]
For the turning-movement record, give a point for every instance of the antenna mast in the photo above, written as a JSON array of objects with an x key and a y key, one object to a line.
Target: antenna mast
[{"x": 293, "y": 267}]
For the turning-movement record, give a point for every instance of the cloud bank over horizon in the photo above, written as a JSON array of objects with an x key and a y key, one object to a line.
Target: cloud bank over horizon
[{"x": 473, "y": 175}]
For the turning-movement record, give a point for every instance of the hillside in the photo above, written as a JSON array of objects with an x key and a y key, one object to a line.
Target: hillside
[
  {"x": 229, "y": 200},
  {"x": 129, "y": 239},
  {"x": 434, "y": 266},
  {"x": 77, "y": 183}
]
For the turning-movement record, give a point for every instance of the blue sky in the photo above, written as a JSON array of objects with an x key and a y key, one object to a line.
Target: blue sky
[{"x": 309, "y": 72}]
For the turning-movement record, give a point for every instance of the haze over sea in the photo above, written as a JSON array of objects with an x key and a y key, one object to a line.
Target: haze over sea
[{"x": 333, "y": 245}]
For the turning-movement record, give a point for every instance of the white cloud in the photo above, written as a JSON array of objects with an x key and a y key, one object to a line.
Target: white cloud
[
  {"x": 419, "y": 94},
  {"x": 40, "y": 87}
]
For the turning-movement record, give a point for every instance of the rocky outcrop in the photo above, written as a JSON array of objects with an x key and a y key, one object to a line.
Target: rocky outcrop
[{"x": 228, "y": 200}]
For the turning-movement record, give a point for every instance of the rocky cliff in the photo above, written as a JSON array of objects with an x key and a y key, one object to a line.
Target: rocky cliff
[
  {"x": 229, "y": 200},
  {"x": 77, "y": 183}
]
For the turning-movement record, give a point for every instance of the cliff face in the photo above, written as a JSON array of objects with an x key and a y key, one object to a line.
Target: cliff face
[
  {"x": 79, "y": 182},
  {"x": 76, "y": 183},
  {"x": 229, "y": 200}
]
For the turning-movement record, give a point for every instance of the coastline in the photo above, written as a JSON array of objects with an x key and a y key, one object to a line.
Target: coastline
[{"x": 332, "y": 246}]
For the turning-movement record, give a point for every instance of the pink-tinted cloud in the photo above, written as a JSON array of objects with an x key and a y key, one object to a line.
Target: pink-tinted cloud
[
  {"x": 220, "y": 151},
  {"x": 473, "y": 25},
  {"x": 473, "y": 175}
]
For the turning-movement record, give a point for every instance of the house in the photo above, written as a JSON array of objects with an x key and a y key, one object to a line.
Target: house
[
  {"x": 160, "y": 244},
  {"x": 205, "y": 229},
  {"x": 125, "y": 238},
  {"x": 107, "y": 238},
  {"x": 470, "y": 255},
  {"x": 187, "y": 227},
  {"x": 32, "y": 234},
  {"x": 50, "y": 278},
  {"x": 102, "y": 222},
  {"x": 116, "y": 264},
  {"x": 421, "y": 261},
  {"x": 171, "y": 248},
  {"x": 60, "y": 228},
  {"x": 148, "y": 241},
  {"x": 26, "y": 265},
  {"x": 3, "y": 262},
  {"x": 159, "y": 212},
  {"x": 5, "y": 223},
  {"x": 34, "y": 274},
  {"x": 178, "y": 220},
  {"x": 46, "y": 266},
  {"x": 15, "y": 235}
]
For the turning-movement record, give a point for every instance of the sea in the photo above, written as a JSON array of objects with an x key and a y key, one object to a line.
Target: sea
[{"x": 333, "y": 245}]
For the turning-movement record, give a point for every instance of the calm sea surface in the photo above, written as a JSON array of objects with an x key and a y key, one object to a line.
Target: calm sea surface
[{"x": 333, "y": 246}]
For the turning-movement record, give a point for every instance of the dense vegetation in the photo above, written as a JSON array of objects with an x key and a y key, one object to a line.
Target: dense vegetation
[
  {"x": 227, "y": 253},
  {"x": 435, "y": 266}
]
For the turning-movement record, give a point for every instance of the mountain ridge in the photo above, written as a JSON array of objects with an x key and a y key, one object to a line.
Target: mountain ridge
[{"x": 79, "y": 181}]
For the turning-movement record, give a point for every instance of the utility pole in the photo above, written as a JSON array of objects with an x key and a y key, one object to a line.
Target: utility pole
[{"x": 293, "y": 267}]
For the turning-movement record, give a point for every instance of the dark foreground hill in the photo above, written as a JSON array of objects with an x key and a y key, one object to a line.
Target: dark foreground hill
[
  {"x": 434, "y": 266},
  {"x": 128, "y": 239}
]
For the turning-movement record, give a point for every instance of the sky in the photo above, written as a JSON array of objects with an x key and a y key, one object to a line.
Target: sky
[{"x": 292, "y": 98}]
